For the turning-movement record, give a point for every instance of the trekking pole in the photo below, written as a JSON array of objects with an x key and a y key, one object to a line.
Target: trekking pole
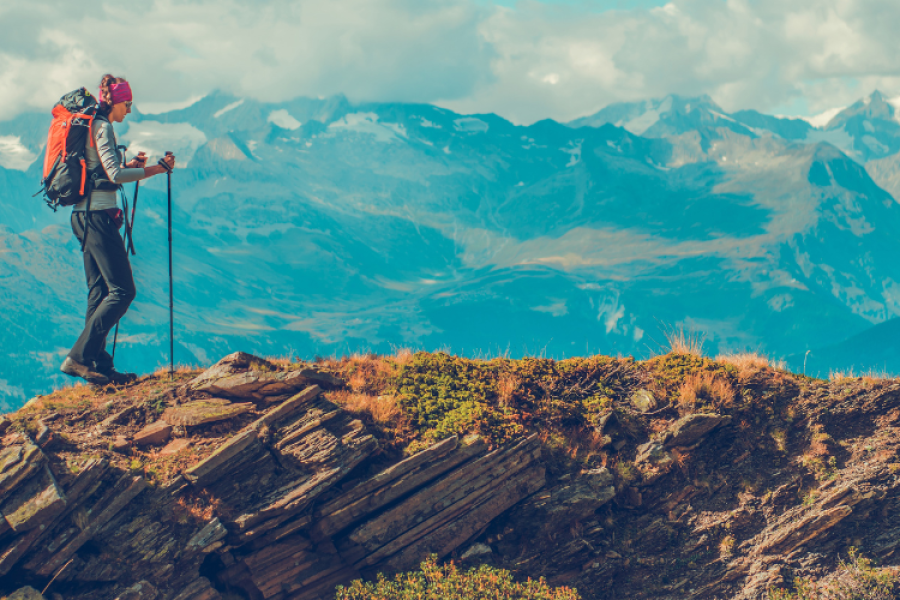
[
  {"x": 162, "y": 162},
  {"x": 124, "y": 149},
  {"x": 137, "y": 187}
]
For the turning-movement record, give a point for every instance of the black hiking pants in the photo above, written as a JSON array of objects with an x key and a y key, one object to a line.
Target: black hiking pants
[{"x": 110, "y": 286}]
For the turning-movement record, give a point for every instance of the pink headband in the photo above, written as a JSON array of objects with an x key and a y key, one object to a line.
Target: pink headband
[{"x": 118, "y": 92}]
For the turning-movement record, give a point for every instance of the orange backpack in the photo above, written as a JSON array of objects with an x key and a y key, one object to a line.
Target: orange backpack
[{"x": 66, "y": 180}]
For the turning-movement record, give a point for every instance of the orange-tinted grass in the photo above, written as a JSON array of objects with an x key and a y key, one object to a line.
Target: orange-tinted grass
[
  {"x": 681, "y": 342},
  {"x": 382, "y": 408},
  {"x": 705, "y": 388},
  {"x": 748, "y": 363}
]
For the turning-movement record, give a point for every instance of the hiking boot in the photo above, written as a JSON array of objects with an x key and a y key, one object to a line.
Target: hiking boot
[
  {"x": 76, "y": 369},
  {"x": 117, "y": 377}
]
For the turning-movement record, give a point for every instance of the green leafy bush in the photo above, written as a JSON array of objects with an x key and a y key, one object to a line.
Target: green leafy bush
[
  {"x": 856, "y": 579},
  {"x": 447, "y": 582},
  {"x": 442, "y": 395}
]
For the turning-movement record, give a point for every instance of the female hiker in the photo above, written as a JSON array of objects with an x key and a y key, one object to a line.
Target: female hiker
[{"x": 106, "y": 267}]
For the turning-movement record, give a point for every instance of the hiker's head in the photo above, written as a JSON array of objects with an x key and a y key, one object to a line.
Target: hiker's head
[{"x": 115, "y": 98}]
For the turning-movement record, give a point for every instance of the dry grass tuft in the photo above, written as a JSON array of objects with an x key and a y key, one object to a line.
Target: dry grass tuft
[
  {"x": 281, "y": 361},
  {"x": 866, "y": 377},
  {"x": 681, "y": 342},
  {"x": 748, "y": 363},
  {"x": 507, "y": 384},
  {"x": 179, "y": 370},
  {"x": 77, "y": 395},
  {"x": 382, "y": 409},
  {"x": 367, "y": 373},
  {"x": 403, "y": 356},
  {"x": 705, "y": 390},
  {"x": 200, "y": 507}
]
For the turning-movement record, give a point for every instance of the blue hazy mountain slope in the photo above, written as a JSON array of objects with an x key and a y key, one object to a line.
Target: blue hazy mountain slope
[
  {"x": 319, "y": 226},
  {"x": 875, "y": 351}
]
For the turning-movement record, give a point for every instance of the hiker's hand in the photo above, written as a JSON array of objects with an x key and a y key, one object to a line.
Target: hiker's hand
[
  {"x": 159, "y": 169},
  {"x": 138, "y": 161}
]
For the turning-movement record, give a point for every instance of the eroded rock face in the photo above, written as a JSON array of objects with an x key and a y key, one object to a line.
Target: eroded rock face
[
  {"x": 289, "y": 521},
  {"x": 34, "y": 503},
  {"x": 573, "y": 500},
  {"x": 653, "y": 461}
]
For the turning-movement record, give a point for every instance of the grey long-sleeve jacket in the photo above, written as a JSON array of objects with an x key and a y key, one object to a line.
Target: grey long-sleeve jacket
[{"x": 105, "y": 152}]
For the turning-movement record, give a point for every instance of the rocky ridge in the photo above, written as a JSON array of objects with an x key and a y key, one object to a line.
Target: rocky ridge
[{"x": 250, "y": 480}]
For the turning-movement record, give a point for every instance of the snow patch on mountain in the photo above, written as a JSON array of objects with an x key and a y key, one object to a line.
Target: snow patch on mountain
[
  {"x": 574, "y": 151},
  {"x": 368, "y": 123},
  {"x": 282, "y": 118},
  {"x": 14, "y": 154},
  {"x": 640, "y": 124},
  {"x": 228, "y": 108},
  {"x": 822, "y": 119},
  {"x": 156, "y": 138}
]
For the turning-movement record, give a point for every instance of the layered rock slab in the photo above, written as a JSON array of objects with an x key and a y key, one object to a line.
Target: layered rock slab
[
  {"x": 432, "y": 502},
  {"x": 247, "y": 377}
]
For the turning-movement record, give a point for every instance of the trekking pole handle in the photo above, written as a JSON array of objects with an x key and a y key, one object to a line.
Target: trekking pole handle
[{"x": 162, "y": 162}]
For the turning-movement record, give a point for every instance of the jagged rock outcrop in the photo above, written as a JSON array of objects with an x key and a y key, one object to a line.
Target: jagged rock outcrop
[{"x": 293, "y": 517}]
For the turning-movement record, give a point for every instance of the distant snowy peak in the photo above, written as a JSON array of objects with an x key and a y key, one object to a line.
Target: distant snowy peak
[
  {"x": 874, "y": 107},
  {"x": 821, "y": 120},
  {"x": 639, "y": 117}
]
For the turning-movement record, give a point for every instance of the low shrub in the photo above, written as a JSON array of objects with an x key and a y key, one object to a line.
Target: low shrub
[
  {"x": 855, "y": 579},
  {"x": 447, "y": 582}
]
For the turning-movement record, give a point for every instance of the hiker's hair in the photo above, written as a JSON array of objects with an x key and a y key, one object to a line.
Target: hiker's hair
[{"x": 105, "y": 95}]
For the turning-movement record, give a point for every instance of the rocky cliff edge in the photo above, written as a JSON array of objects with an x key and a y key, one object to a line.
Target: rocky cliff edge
[{"x": 679, "y": 477}]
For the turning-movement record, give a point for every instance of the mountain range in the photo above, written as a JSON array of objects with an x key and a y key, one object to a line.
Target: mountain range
[{"x": 321, "y": 226}]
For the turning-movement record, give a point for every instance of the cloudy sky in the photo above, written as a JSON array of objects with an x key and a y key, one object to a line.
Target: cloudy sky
[{"x": 525, "y": 60}]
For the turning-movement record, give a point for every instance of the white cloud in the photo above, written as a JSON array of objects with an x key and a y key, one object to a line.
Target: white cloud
[
  {"x": 13, "y": 154},
  {"x": 156, "y": 138},
  {"x": 526, "y": 63}
]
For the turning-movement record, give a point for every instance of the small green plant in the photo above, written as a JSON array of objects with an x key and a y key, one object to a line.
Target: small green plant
[
  {"x": 779, "y": 436},
  {"x": 627, "y": 472},
  {"x": 855, "y": 579},
  {"x": 726, "y": 546},
  {"x": 158, "y": 403},
  {"x": 447, "y": 582},
  {"x": 810, "y": 498},
  {"x": 136, "y": 466}
]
